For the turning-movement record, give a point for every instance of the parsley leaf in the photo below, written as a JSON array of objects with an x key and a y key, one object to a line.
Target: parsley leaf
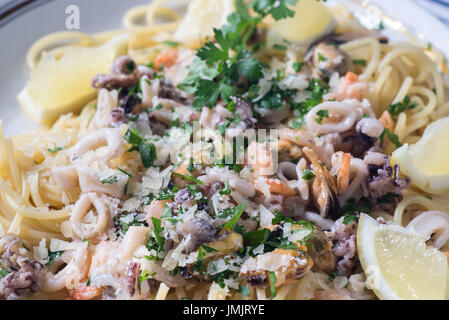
[
  {"x": 308, "y": 174},
  {"x": 189, "y": 178},
  {"x": 359, "y": 62},
  {"x": 3, "y": 272},
  {"x": 321, "y": 115},
  {"x": 170, "y": 43},
  {"x": 237, "y": 212},
  {"x": 52, "y": 255},
  {"x": 404, "y": 105},
  {"x": 157, "y": 233},
  {"x": 349, "y": 218},
  {"x": 147, "y": 150},
  {"x": 55, "y": 149},
  {"x": 393, "y": 138},
  {"x": 147, "y": 154},
  {"x": 109, "y": 180},
  {"x": 272, "y": 276},
  {"x": 256, "y": 238}
]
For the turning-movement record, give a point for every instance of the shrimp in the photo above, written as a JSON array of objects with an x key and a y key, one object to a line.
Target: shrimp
[
  {"x": 155, "y": 209},
  {"x": 166, "y": 58},
  {"x": 351, "y": 77},
  {"x": 386, "y": 120},
  {"x": 349, "y": 87},
  {"x": 344, "y": 173},
  {"x": 84, "y": 292},
  {"x": 278, "y": 187}
]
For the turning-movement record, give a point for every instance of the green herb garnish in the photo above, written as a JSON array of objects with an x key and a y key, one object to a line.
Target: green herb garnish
[{"x": 237, "y": 212}]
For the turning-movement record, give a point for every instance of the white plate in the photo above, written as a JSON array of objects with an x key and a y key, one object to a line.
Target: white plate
[{"x": 42, "y": 17}]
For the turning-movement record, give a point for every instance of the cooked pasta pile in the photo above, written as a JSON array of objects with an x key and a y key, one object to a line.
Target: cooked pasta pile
[{"x": 132, "y": 199}]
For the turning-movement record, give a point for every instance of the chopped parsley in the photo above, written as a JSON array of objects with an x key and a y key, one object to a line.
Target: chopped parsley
[
  {"x": 158, "y": 229},
  {"x": 308, "y": 174},
  {"x": 144, "y": 275},
  {"x": 321, "y": 58},
  {"x": 170, "y": 43},
  {"x": 53, "y": 255},
  {"x": 297, "y": 66},
  {"x": 219, "y": 66},
  {"x": 109, "y": 180},
  {"x": 360, "y": 62},
  {"x": 3, "y": 272},
  {"x": 393, "y": 138},
  {"x": 127, "y": 173},
  {"x": 236, "y": 212},
  {"x": 321, "y": 115},
  {"x": 256, "y": 238},
  {"x": 55, "y": 149},
  {"x": 279, "y": 47},
  {"x": 349, "y": 218},
  {"x": 404, "y": 105},
  {"x": 272, "y": 276},
  {"x": 147, "y": 150},
  {"x": 188, "y": 178},
  {"x": 226, "y": 191},
  {"x": 318, "y": 88}
]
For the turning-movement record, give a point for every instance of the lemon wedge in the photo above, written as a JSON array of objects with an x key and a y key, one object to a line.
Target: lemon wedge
[
  {"x": 398, "y": 263},
  {"x": 312, "y": 20},
  {"x": 61, "y": 85},
  {"x": 201, "y": 18},
  {"x": 426, "y": 161}
]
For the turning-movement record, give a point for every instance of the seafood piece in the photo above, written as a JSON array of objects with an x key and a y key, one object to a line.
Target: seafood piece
[
  {"x": 358, "y": 34},
  {"x": 124, "y": 73},
  {"x": 107, "y": 143},
  {"x": 320, "y": 250},
  {"x": 324, "y": 187},
  {"x": 433, "y": 225},
  {"x": 344, "y": 173},
  {"x": 132, "y": 277},
  {"x": 84, "y": 292},
  {"x": 261, "y": 159},
  {"x": 155, "y": 209},
  {"x": 200, "y": 229},
  {"x": 327, "y": 58},
  {"x": 288, "y": 266},
  {"x": 342, "y": 116},
  {"x": 385, "y": 179},
  {"x": 166, "y": 58},
  {"x": 113, "y": 185},
  {"x": 95, "y": 226}
]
